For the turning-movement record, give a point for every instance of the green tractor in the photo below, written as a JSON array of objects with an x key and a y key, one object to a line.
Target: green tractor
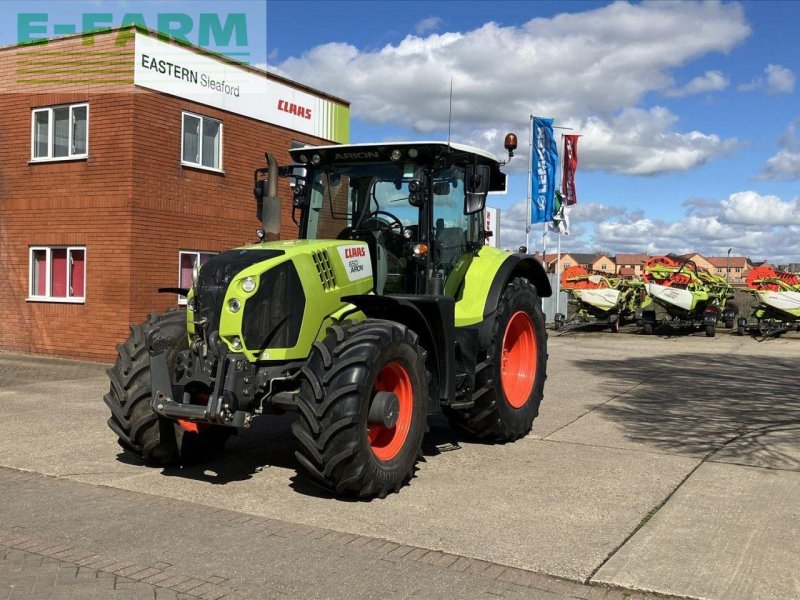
[{"x": 389, "y": 308}]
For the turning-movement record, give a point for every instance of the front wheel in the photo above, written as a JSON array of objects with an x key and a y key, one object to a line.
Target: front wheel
[
  {"x": 648, "y": 329},
  {"x": 156, "y": 440},
  {"x": 509, "y": 384},
  {"x": 711, "y": 330},
  {"x": 363, "y": 408}
]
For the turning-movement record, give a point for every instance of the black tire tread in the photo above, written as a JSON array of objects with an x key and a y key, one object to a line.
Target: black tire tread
[
  {"x": 484, "y": 419},
  {"x": 329, "y": 440},
  {"x": 137, "y": 426}
]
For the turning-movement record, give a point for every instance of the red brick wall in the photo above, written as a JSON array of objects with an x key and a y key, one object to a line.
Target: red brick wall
[
  {"x": 83, "y": 202},
  {"x": 130, "y": 203}
]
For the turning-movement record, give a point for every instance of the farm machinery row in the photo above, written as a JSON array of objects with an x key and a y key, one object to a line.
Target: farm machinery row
[
  {"x": 672, "y": 292},
  {"x": 675, "y": 293}
]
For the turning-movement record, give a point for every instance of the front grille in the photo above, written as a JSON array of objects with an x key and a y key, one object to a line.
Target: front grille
[
  {"x": 273, "y": 316},
  {"x": 215, "y": 277},
  {"x": 323, "y": 263}
]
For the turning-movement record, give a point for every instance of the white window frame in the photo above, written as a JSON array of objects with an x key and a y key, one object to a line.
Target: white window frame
[
  {"x": 200, "y": 165},
  {"x": 48, "y": 297},
  {"x": 51, "y": 133},
  {"x": 196, "y": 253}
]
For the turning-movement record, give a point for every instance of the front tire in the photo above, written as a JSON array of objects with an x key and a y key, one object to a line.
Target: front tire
[
  {"x": 509, "y": 384},
  {"x": 340, "y": 446},
  {"x": 154, "y": 439},
  {"x": 648, "y": 329},
  {"x": 711, "y": 330}
]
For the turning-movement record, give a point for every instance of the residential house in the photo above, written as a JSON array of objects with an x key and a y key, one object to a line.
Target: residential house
[
  {"x": 733, "y": 268},
  {"x": 630, "y": 264},
  {"x": 604, "y": 263}
]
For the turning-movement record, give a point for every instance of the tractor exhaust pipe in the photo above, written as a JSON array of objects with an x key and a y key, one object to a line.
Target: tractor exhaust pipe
[
  {"x": 271, "y": 210},
  {"x": 268, "y": 208}
]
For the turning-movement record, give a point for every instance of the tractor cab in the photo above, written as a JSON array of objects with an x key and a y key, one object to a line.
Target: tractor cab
[{"x": 418, "y": 206}]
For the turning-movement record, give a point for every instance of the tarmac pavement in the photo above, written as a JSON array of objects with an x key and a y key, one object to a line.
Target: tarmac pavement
[{"x": 669, "y": 465}]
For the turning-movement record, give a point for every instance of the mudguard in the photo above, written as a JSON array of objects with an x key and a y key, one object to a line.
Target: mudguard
[{"x": 487, "y": 277}]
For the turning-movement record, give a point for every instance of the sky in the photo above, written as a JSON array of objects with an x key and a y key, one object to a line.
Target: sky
[{"x": 688, "y": 112}]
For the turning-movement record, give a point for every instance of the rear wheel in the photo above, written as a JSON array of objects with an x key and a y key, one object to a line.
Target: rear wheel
[
  {"x": 363, "y": 408},
  {"x": 156, "y": 440},
  {"x": 615, "y": 326},
  {"x": 509, "y": 384}
]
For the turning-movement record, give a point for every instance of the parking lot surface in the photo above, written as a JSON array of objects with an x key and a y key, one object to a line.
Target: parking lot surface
[{"x": 665, "y": 465}]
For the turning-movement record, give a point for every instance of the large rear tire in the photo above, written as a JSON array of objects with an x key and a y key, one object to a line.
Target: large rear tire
[
  {"x": 509, "y": 383},
  {"x": 342, "y": 446},
  {"x": 154, "y": 439}
]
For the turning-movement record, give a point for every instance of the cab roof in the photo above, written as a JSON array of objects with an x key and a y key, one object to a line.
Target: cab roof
[{"x": 382, "y": 148}]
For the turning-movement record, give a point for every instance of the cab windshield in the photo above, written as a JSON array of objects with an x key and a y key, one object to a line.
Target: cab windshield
[{"x": 353, "y": 196}]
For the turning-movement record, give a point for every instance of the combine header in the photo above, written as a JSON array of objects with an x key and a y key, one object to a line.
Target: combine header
[
  {"x": 601, "y": 298},
  {"x": 691, "y": 296},
  {"x": 778, "y": 296}
]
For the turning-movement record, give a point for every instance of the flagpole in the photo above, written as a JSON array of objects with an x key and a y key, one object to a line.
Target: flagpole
[
  {"x": 558, "y": 272},
  {"x": 530, "y": 184}
]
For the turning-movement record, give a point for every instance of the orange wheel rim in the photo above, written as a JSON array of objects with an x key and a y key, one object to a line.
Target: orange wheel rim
[
  {"x": 518, "y": 366},
  {"x": 387, "y": 442}
]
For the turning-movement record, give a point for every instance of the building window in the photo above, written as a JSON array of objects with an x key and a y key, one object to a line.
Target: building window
[
  {"x": 57, "y": 274},
  {"x": 202, "y": 142},
  {"x": 187, "y": 260},
  {"x": 60, "y": 132}
]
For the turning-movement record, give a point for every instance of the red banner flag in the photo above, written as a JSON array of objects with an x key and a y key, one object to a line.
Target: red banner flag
[{"x": 570, "y": 166}]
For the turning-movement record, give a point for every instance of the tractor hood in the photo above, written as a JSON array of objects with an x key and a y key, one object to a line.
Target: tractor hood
[{"x": 271, "y": 301}]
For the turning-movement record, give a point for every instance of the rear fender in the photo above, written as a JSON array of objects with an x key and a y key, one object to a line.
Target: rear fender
[{"x": 486, "y": 280}]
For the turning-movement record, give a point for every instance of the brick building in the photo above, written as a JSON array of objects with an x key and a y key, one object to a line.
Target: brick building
[{"x": 126, "y": 158}]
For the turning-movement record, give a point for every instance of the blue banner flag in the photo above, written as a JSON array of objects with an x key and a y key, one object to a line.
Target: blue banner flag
[{"x": 543, "y": 170}]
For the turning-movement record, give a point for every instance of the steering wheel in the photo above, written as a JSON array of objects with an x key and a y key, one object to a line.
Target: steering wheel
[{"x": 377, "y": 215}]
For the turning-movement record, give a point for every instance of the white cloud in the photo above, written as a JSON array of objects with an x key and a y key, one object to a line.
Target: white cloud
[
  {"x": 786, "y": 163},
  {"x": 262, "y": 66},
  {"x": 778, "y": 80},
  {"x": 751, "y": 208},
  {"x": 750, "y": 223},
  {"x": 574, "y": 66},
  {"x": 710, "y": 81},
  {"x": 643, "y": 142},
  {"x": 427, "y": 24},
  {"x": 759, "y": 226}
]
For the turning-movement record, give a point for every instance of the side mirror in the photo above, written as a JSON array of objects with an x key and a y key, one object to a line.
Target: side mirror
[{"x": 476, "y": 180}]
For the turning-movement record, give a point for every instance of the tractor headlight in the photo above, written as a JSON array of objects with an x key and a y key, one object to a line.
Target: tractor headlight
[
  {"x": 396, "y": 155},
  {"x": 234, "y": 305},
  {"x": 190, "y": 305},
  {"x": 248, "y": 284},
  {"x": 195, "y": 274},
  {"x": 236, "y": 343}
]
